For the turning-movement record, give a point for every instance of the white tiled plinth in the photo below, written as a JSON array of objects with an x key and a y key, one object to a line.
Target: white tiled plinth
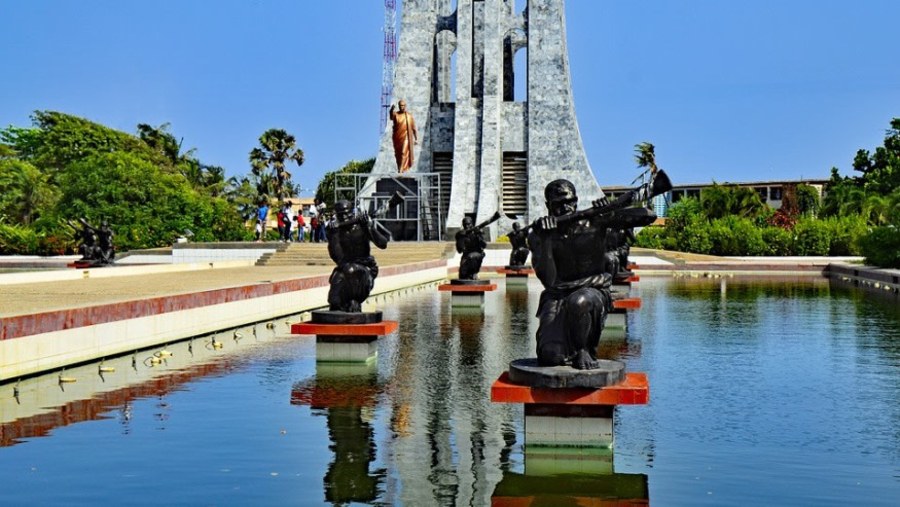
[
  {"x": 554, "y": 431},
  {"x": 345, "y": 352},
  {"x": 467, "y": 300}
]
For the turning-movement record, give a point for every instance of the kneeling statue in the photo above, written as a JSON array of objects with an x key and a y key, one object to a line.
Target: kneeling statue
[
  {"x": 568, "y": 255},
  {"x": 355, "y": 271}
]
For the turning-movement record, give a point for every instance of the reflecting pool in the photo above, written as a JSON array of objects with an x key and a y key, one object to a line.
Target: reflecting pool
[{"x": 766, "y": 392}]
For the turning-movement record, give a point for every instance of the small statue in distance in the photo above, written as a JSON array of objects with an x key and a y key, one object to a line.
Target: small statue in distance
[
  {"x": 518, "y": 238},
  {"x": 618, "y": 247},
  {"x": 470, "y": 243},
  {"x": 355, "y": 269},
  {"x": 569, "y": 257},
  {"x": 96, "y": 246}
]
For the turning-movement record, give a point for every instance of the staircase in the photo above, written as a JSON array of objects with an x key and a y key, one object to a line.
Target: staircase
[{"x": 316, "y": 254}]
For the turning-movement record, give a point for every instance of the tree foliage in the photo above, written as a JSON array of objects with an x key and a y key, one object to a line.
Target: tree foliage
[
  {"x": 25, "y": 192},
  {"x": 325, "y": 192},
  {"x": 64, "y": 167},
  {"x": 276, "y": 149},
  {"x": 719, "y": 201}
]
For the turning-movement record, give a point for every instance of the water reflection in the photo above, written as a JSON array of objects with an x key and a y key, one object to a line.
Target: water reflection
[
  {"x": 575, "y": 489},
  {"x": 95, "y": 390},
  {"x": 347, "y": 395}
]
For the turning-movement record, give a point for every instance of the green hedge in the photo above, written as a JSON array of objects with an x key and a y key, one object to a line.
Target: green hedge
[{"x": 881, "y": 247}]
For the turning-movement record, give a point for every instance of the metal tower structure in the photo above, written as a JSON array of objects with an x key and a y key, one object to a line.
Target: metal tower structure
[{"x": 390, "y": 56}]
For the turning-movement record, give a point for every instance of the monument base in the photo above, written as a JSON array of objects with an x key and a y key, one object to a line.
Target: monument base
[
  {"x": 625, "y": 279},
  {"x": 617, "y": 320},
  {"x": 85, "y": 264},
  {"x": 516, "y": 275},
  {"x": 346, "y": 336},
  {"x": 569, "y": 425},
  {"x": 565, "y": 417},
  {"x": 467, "y": 293}
]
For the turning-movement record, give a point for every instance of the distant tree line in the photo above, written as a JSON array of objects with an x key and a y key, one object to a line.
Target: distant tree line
[
  {"x": 150, "y": 190},
  {"x": 859, "y": 215}
]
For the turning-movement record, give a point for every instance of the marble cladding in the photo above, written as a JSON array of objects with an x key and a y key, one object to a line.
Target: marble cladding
[{"x": 482, "y": 124}]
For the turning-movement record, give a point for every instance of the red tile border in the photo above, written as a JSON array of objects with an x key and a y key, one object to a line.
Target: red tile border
[
  {"x": 447, "y": 287},
  {"x": 377, "y": 329},
  {"x": 20, "y": 326},
  {"x": 634, "y": 390},
  {"x": 627, "y": 304}
]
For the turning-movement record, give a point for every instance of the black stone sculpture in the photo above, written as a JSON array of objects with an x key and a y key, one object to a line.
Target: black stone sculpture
[
  {"x": 355, "y": 269},
  {"x": 518, "y": 238},
  {"x": 569, "y": 257},
  {"x": 618, "y": 245},
  {"x": 96, "y": 246},
  {"x": 470, "y": 243}
]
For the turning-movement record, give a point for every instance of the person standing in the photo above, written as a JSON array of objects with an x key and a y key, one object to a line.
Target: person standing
[
  {"x": 301, "y": 228},
  {"x": 262, "y": 215},
  {"x": 405, "y": 136},
  {"x": 288, "y": 218},
  {"x": 313, "y": 229}
]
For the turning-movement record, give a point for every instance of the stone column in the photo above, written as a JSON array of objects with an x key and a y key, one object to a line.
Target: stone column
[
  {"x": 413, "y": 75},
  {"x": 555, "y": 149},
  {"x": 489, "y": 188}
]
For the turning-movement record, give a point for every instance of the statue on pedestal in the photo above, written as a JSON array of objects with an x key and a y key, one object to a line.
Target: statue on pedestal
[
  {"x": 569, "y": 257},
  {"x": 355, "y": 269},
  {"x": 404, "y": 136},
  {"x": 470, "y": 243},
  {"x": 618, "y": 243},
  {"x": 518, "y": 238}
]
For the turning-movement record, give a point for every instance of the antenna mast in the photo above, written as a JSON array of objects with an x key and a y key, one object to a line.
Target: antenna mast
[{"x": 390, "y": 56}]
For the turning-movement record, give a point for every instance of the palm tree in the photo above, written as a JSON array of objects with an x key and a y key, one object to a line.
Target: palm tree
[
  {"x": 645, "y": 156},
  {"x": 276, "y": 149}
]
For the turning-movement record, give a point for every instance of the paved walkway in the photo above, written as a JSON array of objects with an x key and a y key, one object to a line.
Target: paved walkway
[{"x": 30, "y": 298}]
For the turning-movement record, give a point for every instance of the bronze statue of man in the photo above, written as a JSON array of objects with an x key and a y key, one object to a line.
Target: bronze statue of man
[
  {"x": 470, "y": 243},
  {"x": 519, "y": 241},
  {"x": 355, "y": 269},
  {"x": 618, "y": 246},
  {"x": 568, "y": 256},
  {"x": 405, "y": 136},
  {"x": 104, "y": 240}
]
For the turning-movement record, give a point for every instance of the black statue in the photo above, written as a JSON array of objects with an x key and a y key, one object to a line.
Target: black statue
[
  {"x": 618, "y": 244},
  {"x": 518, "y": 238},
  {"x": 569, "y": 257},
  {"x": 96, "y": 246},
  {"x": 354, "y": 275},
  {"x": 470, "y": 243}
]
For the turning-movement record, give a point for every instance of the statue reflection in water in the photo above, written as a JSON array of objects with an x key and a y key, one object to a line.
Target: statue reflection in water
[{"x": 347, "y": 395}]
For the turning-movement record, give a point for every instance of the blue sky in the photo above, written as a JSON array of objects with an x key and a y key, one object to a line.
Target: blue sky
[{"x": 726, "y": 90}]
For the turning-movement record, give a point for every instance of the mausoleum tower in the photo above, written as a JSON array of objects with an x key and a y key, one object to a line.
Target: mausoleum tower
[{"x": 456, "y": 70}]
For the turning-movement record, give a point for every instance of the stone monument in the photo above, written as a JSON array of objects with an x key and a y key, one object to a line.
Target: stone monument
[{"x": 495, "y": 151}]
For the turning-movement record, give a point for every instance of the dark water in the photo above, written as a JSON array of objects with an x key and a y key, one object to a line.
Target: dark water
[{"x": 762, "y": 393}]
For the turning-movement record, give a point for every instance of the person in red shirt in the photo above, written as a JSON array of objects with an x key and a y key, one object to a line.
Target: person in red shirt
[{"x": 313, "y": 227}]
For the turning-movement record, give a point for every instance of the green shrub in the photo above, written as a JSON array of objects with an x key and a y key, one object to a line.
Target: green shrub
[
  {"x": 881, "y": 247},
  {"x": 778, "y": 241},
  {"x": 651, "y": 237},
  {"x": 845, "y": 234},
  {"x": 17, "y": 240},
  {"x": 812, "y": 237},
  {"x": 736, "y": 236}
]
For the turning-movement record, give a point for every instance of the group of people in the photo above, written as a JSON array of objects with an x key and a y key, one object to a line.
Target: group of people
[{"x": 292, "y": 226}]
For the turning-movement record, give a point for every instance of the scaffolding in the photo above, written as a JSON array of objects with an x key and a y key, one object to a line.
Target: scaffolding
[{"x": 420, "y": 217}]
